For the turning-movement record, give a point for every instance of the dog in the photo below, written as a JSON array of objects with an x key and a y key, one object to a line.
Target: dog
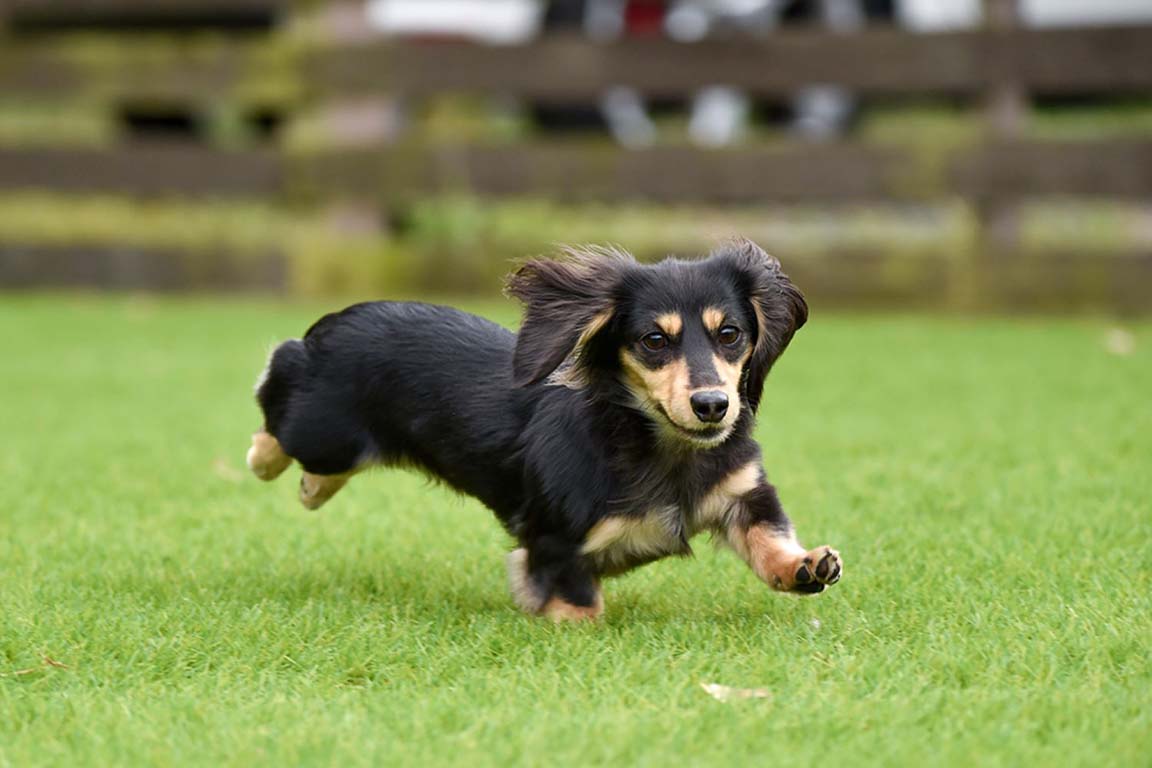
[{"x": 615, "y": 426}]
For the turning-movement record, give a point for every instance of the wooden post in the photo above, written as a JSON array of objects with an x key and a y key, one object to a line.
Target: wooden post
[
  {"x": 1005, "y": 114},
  {"x": 357, "y": 223},
  {"x": 1007, "y": 104}
]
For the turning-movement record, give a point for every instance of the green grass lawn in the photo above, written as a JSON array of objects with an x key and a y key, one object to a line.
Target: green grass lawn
[{"x": 988, "y": 482}]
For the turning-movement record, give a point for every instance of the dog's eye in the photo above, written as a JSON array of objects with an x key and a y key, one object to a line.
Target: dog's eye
[
  {"x": 728, "y": 335},
  {"x": 654, "y": 341}
]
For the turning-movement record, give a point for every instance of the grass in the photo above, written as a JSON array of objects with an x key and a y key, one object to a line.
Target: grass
[{"x": 987, "y": 481}]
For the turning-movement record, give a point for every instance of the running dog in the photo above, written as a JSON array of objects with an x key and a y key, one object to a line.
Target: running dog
[{"x": 614, "y": 427}]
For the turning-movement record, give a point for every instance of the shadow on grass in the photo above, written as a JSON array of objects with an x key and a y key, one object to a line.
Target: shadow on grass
[
  {"x": 406, "y": 587},
  {"x": 413, "y": 589}
]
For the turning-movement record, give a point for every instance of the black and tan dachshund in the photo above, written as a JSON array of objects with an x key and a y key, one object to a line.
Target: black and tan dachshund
[{"x": 612, "y": 429}]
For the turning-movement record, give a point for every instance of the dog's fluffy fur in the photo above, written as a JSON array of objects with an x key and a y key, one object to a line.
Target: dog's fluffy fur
[{"x": 613, "y": 428}]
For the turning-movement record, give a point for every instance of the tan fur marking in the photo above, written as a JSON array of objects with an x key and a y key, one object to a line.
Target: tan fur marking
[
  {"x": 761, "y": 325},
  {"x": 730, "y": 374},
  {"x": 776, "y": 558},
  {"x": 714, "y": 509},
  {"x": 636, "y": 535},
  {"x": 669, "y": 388},
  {"x": 559, "y": 610},
  {"x": 568, "y": 375},
  {"x": 266, "y": 458},
  {"x": 315, "y": 490},
  {"x": 712, "y": 318},
  {"x": 606, "y": 533},
  {"x": 671, "y": 323},
  {"x": 594, "y": 326},
  {"x": 666, "y": 387}
]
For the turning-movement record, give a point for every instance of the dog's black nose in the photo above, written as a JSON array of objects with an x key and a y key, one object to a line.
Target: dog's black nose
[{"x": 709, "y": 406}]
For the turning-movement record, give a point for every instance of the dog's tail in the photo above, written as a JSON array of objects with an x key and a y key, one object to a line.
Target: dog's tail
[{"x": 286, "y": 369}]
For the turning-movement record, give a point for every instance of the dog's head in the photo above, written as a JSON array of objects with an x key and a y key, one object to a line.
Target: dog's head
[{"x": 690, "y": 342}]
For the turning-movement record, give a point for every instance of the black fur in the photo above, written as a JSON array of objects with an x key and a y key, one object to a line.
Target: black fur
[{"x": 541, "y": 426}]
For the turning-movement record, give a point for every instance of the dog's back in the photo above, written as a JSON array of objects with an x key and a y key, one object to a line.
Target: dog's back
[{"x": 391, "y": 383}]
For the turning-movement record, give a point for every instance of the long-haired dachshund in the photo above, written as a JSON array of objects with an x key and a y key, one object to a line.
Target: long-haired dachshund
[{"x": 612, "y": 429}]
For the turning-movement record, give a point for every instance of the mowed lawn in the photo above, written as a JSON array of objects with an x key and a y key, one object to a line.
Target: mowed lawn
[{"x": 989, "y": 483}]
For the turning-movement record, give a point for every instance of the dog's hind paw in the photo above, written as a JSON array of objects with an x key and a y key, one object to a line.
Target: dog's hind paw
[
  {"x": 819, "y": 568},
  {"x": 560, "y": 610},
  {"x": 529, "y": 598},
  {"x": 315, "y": 490},
  {"x": 266, "y": 458}
]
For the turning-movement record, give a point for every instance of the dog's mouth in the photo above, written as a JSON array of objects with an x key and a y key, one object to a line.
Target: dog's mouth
[{"x": 704, "y": 437}]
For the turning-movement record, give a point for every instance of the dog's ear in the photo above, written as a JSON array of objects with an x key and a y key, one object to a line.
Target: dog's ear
[
  {"x": 566, "y": 303},
  {"x": 778, "y": 305}
]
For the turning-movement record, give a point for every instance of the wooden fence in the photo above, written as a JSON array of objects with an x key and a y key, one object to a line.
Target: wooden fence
[{"x": 999, "y": 65}]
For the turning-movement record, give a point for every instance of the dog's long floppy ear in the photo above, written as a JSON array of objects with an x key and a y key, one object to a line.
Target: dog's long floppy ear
[
  {"x": 779, "y": 307},
  {"x": 566, "y": 303}
]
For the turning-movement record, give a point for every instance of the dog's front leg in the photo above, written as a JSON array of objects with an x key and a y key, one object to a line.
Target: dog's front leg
[
  {"x": 763, "y": 535},
  {"x": 551, "y": 577}
]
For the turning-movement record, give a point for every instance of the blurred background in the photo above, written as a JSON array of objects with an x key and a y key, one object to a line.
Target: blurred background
[{"x": 954, "y": 154}]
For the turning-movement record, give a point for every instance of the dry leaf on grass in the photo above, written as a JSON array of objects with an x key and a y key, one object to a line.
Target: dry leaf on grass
[
  {"x": 727, "y": 693},
  {"x": 1120, "y": 342}
]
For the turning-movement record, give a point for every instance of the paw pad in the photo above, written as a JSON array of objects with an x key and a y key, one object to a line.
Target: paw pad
[{"x": 820, "y": 568}]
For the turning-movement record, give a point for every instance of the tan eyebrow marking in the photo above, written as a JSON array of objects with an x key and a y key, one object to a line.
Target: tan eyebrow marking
[
  {"x": 712, "y": 317},
  {"x": 671, "y": 323}
]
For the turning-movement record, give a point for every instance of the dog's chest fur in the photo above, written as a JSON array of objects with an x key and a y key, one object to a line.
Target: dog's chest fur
[
  {"x": 623, "y": 541},
  {"x": 647, "y": 533},
  {"x": 667, "y": 514}
]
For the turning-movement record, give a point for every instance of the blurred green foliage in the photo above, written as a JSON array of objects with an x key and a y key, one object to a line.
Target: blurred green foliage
[{"x": 462, "y": 244}]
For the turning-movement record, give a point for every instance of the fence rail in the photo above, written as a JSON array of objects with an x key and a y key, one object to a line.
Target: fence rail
[
  {"x": 1106, "y": 60},
  {"x": 1113, "y": 60},
  {"x": 187, "y": 171},
  {"x": 73, "y": 14},
  {"x": 149, "y": 69},
  {"x": 846, "y": 172},
  {"x": 1001, "y": 65}
]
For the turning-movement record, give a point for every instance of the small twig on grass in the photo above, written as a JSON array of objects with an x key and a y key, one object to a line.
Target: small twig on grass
[
  {"x": 46, "y": 661},
  {"x": 20, "y": 672}
]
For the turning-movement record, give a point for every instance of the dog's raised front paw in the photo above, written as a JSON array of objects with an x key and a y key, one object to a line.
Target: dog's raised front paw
[{"x": 819, "y": 568}]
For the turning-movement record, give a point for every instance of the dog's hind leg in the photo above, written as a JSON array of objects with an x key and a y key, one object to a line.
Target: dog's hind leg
[
  {"x": 329, "y": 448},
  {"x": 266, "y": 458},
  {"x": 560, "y": 591}
]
